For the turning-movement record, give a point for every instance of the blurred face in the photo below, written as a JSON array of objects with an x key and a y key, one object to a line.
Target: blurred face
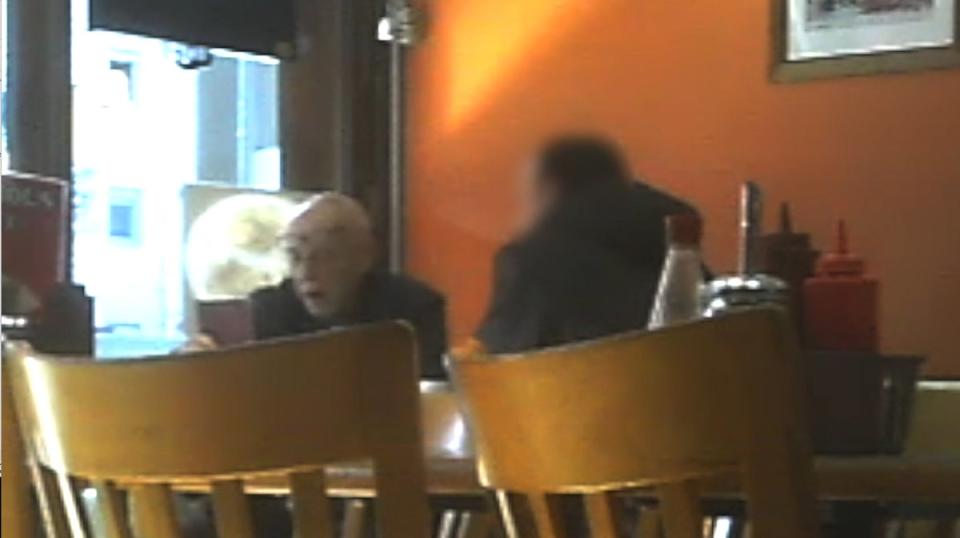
[{"x": 327, "y": 269}]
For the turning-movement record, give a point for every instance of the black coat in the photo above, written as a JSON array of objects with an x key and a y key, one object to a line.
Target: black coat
[
  {"x": 589, "y": 269},
  {"x": 277, "y": 312}
]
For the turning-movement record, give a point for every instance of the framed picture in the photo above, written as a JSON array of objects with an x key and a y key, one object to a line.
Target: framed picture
[{"x": 816, "y": 39}]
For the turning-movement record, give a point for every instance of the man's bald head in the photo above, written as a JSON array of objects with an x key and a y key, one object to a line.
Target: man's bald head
[
  {"x": 330, "y": 247},
  {"x": 329, "y": 213}
]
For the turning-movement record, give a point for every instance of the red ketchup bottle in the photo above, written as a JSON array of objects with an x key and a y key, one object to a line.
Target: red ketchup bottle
[{"x": 840, "y": 302}]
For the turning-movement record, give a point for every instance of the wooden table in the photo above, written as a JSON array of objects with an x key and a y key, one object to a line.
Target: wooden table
[
  {"x": 838, "y": 478},
  {"x": 931, "y": 478}
]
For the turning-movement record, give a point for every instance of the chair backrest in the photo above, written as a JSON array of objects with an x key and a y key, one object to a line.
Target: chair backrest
[
  {"x": 18, "y": 517},
  {"x": 288, "y": 407},
  {"x": 648, "y": 408}
]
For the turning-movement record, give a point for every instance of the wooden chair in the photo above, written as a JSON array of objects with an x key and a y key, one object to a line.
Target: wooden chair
[
  {"x": 19, "y": 516},
  {"x": 657, "y": 409},
  {"x": 445, "y": 437},
  {"x": 287, "y": 407}
]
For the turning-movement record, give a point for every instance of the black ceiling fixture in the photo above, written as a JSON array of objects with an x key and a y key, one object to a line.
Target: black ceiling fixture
[{"x": 256, "y": 26}]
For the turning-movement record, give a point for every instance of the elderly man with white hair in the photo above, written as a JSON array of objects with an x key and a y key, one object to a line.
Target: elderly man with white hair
[{"x": 333, "y": 282}]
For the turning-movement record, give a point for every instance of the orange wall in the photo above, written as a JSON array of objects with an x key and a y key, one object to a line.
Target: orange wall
[{"x": 684, "y": 86}]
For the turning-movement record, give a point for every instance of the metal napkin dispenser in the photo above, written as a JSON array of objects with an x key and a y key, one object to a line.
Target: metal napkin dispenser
[{"x": 737, "y": 292}]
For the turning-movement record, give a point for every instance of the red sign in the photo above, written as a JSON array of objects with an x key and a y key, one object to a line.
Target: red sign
[{"x": 35, "y": 224}]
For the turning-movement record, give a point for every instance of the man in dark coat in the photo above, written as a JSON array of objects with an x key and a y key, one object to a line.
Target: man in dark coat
[
  {"x": 590, "y": 261},
  {"x": 333, "y": 284}
]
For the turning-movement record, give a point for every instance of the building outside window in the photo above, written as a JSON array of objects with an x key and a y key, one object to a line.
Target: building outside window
[
  {"x": 4, "y": 63},
  {"x": 144, "y": 129}
]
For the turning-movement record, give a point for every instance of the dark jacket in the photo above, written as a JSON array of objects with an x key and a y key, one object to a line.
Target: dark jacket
[
  {"x": 277, "y": 312},
  {"x": 589, "y": 269}
]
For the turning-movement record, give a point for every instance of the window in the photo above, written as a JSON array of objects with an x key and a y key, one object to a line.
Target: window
[
  {"x": 121, "y": 221},
  {"x": 4, "y": 76},
  {"x": 125, "y": 214},
  {"x": 145, "y": 128},
  {"x": 125, "y": 71}
]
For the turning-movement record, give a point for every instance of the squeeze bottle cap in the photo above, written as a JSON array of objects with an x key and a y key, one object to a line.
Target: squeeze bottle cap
[{"x": 841, "y": 262}]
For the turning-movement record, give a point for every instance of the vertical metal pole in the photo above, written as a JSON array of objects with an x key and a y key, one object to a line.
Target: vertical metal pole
[
  {"x": 397, "y": 149},
  {"x": 751, "y": 215}
]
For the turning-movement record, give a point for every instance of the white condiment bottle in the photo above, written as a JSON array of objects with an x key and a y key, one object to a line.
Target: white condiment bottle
[{"x": 678, "y": 294}]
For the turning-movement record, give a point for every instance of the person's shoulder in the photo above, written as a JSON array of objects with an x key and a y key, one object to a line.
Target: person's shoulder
[
  {"x": 274, "y": 295},
  {"x": 516, "y": 249},
  {"x": 277, "y": 311},
  {"x": 526, "y": 254},
  {"x": 407, "y": 290},
  {"x": 665, "y": 202}
]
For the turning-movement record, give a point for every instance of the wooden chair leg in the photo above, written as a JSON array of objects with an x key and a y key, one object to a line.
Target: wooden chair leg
[
  {"x": 507, "y": 520},
  {"x": 312, "y": 511},
  {"x": 947, "y": 529},
  {"x": 399, "y": 466},
  {"x": 681, "y": 510},
  {"x": 111, "y": 511},
  {"x": 709, "y": 524},
  {"x": 649, "y": 524},
  {"x": 781, "y": 495},
  {"x": 154, "y": 515},
  {"x": 893, "y": 529},
  {"x": 476, "y": 525},
  {"x": 447, "y": 526},
  {"x": 52, "y": 513},
  {"x": 545, "y": 515},
  {"x": 601, "y": 515},
  {"x": 71, "y": 506},
  {"x": 231, "y": 509},
  {"x": 355, "y": 519}
]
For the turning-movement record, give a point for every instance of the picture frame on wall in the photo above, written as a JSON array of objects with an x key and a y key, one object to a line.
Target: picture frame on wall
[{"x": 816, "y": 39}]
